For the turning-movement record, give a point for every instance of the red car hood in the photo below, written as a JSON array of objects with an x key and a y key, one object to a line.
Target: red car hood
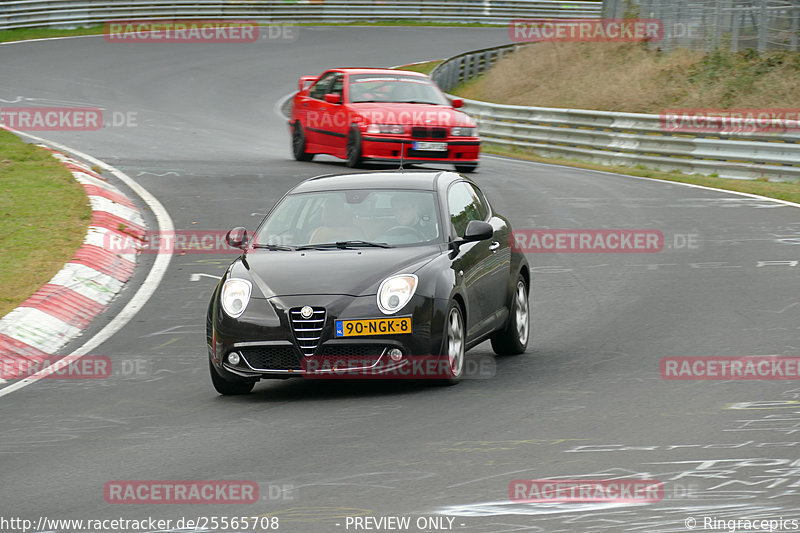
[{"x": 411, "y": 114}]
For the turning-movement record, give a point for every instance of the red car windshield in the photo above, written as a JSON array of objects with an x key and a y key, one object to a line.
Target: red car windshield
[{"x": 397, "y": 89}]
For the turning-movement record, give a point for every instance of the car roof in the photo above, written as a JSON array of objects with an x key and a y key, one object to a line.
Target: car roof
[
  {"x": 361, "y": 70},
  {"x": 392, "y": 179}
]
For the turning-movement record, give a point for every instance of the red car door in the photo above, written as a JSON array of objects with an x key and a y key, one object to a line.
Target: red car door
[
  {"x": 314, "y": 108},
  {"x": 338, "y": 124}
]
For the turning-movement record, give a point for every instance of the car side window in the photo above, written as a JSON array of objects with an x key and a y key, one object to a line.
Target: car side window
[
  {"x": 320, "y": 88},
  {"x": 464, "y": 204},
  {"x": 337, "y": 86}
]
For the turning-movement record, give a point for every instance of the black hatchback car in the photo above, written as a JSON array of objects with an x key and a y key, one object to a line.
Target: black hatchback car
[{"x": 363, "y": 274}]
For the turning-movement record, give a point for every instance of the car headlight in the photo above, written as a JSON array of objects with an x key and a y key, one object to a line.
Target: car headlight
[
  {"x": 464, "y": 131},
  {"x": 395, "y": 292},
  {"x": 236, "y": 296},
  {"x": 396, "y": 129}
]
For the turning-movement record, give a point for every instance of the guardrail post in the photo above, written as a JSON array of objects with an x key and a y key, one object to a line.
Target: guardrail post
[{"x": 717, "y": 24}]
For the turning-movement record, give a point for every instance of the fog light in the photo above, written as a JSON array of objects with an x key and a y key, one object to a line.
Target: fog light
[
  {"x": 233, "y": 358},
  {"x": 395, "y": 354}
]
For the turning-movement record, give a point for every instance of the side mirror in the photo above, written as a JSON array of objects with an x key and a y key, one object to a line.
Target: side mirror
[
  {"x": 333, "y": 98},
  {"x": 305, "y": 81},
  {"x": 457, "y": 102},
  {"x": 478, "y": 230},
  {"x": 237, "y": 237}
]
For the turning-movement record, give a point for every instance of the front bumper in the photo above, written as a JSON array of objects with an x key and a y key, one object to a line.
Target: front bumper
[
  {"x": 383, "y": 148},
  {"x": 270, "y": 344}
]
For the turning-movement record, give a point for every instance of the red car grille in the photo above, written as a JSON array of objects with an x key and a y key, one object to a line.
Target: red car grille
[{"x": 424, "y": 132}]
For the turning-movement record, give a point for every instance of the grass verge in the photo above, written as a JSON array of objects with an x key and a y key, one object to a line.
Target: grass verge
[
  {"x": 636, "y": 79},
  {"x": 44, "y": 216},
  {"x": 23, "y": 34},
  {"x": 782, "y": 191}
]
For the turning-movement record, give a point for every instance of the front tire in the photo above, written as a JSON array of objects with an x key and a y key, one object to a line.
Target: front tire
[
  {"x": 229, "y": 388},
  {"x": 513, "y": 339},
  {"x": 454, "y": 345},
  {"x": 299, "y": 144},
  {"x": 354, "y": 158}
]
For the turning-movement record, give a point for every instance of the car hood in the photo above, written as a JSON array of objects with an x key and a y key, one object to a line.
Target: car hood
[
  {"x": 355, "y": 272},
  {"x": 411, "y": 114}
]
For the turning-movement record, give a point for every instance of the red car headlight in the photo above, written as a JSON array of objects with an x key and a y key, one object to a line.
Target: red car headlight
[
  {"x": 464, "y": 131},
  {"x": 396, "y": 129}
]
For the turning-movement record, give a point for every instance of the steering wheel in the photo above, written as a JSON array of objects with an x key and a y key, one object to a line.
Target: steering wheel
[{"x": 403, "y": 230}]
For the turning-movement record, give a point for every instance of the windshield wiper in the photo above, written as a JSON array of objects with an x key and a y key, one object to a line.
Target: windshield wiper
[
  {"x": 273, "y": 247},
  {"x": 343, "y": 245},
  {"x": 365, "y": 243},
  {"x": 418, "y": 102}
]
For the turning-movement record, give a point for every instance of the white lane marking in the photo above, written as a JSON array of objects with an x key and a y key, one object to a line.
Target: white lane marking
[
  {"x": 417, "y": 63},
  {"x": 278, "y": 108},
  {"x": 51, "y": 39},
  {"x": 37, "y": 328},
  {"x": 145, "y": 291},
  {"x": 196, "y": 277},
  {"x": 747, "y": 194}
]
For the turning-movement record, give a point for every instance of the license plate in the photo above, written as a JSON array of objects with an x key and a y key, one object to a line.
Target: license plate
[
  {"x": 430, "y": 147},
  {"x": 373, "y": 326}
]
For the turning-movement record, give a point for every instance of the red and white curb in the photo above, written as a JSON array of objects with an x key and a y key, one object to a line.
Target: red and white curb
[{"x": 60, "y": 311}]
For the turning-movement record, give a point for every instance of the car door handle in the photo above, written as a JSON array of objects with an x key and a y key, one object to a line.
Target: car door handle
[
  {"x": 305, "y": 104},
  {"x": 494, "y": 246}
]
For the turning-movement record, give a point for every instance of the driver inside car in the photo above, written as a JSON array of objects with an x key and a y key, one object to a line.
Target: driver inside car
[{"x": 407, "y": 217}]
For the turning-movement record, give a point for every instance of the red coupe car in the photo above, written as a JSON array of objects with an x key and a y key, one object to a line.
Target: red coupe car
[{"x": 381, "y": 115}]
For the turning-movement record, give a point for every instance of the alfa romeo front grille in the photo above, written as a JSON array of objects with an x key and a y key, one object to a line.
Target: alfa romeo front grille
[{"x": 307, "y": 331}]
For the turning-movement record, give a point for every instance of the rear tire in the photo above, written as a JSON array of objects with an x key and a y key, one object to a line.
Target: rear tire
[
  {"x": 454, "y": 344},
  {"x": 299, "y": 144},
  {"x": 466, "y": 169},
  {"x": 229, "y": 388},
  {"x": 354, "y": 158},
  {"x": 513, "y": 339}
]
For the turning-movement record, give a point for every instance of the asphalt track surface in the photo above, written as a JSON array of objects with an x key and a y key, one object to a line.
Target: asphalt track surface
[{"x": 586, "y": 401}]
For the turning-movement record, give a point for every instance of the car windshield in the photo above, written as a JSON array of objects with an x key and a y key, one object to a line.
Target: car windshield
[
  {"x": 389, "y": 88},
  {"x": 352, "y": 218}
]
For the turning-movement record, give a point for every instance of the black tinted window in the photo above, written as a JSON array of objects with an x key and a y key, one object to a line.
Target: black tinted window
[
  {"x": 465, "y": 203},
  {"x": 320, "y": 88}
]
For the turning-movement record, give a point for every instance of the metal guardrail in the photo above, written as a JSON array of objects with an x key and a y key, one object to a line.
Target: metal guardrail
[
  {"x": 66, "y": 13},
  {"x": 619, "y": 138}
]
